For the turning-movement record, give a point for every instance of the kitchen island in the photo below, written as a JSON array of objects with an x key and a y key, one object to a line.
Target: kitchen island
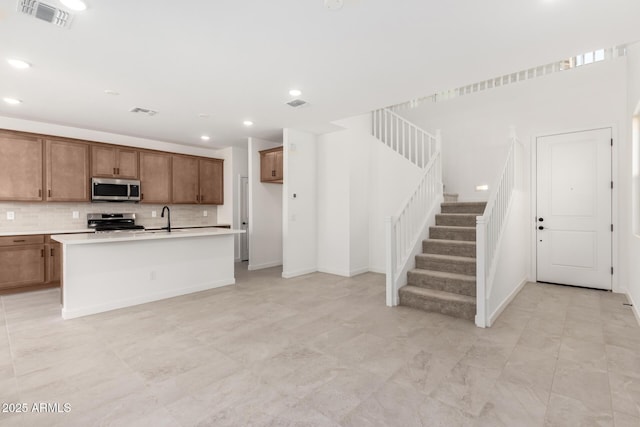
[{"x": 107, "y": 271}]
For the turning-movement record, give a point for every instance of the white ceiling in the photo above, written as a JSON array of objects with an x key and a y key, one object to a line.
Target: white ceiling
[{"x": 237, "y": 59}]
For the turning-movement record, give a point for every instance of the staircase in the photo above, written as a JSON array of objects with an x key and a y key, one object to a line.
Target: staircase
[{"x": 444, "y": 279}]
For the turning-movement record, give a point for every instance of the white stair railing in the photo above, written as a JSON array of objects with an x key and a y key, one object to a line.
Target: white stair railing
[
  {"x": 406, "y": 230},
  {"x": 489, "y": 229},
  {"x": 402, "y": 136}
]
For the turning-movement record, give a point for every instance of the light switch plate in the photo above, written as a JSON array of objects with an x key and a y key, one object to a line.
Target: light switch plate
[
  {"x": 11, "y": 215},
  {"x": 154, "y": 214},
  {"x": 205, "y": 213},
  {"x": 75, "y": 215}
]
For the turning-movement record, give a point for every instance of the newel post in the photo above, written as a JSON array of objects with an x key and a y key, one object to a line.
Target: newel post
[{"x": 392, "y": 293}]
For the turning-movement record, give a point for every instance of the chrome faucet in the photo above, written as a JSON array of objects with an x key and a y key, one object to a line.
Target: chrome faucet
[{"x": 168, "y": 227}]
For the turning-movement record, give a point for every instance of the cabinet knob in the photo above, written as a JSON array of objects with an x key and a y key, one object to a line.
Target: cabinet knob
[
  {"x": 41, "y": 253},
  {"x": 49, "y": 192}
]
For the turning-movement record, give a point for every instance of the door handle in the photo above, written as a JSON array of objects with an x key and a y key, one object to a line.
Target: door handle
[
  {"x": 540, "y": 219},
  {"x": 541, "y": 228}
]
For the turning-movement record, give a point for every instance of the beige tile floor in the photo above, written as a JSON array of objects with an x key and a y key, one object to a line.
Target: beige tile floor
[{"x": 322, "y": 350}]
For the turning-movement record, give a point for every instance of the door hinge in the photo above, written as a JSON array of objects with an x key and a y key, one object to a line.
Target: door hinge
[
  {"x": 612, "y": 271},
  {"x": 612, "y": 142},
  {"x": 611, "y": 227},
  {"x": 611, "y": 184}
]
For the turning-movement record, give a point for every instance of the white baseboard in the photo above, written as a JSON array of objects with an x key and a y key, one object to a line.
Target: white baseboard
[
  {"x": 634, "y": 307},
  {"x": 264, "y": 265},
  {"x": 377, "y": 270},
  {"x": 357, "y": 271},
  {"x": 291, "y": 274},
  {"x": 344, "y": 273},
  {"x": 506, "y": 302}
]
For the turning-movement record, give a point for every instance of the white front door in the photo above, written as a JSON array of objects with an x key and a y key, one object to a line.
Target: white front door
[{"x": 573, "y": 217}]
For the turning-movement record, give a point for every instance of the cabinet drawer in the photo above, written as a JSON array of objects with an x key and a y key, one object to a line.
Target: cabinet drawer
[{"x": 21, "y": 240}]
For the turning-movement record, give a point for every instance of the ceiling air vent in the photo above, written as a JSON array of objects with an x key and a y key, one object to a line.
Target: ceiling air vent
[
  {"x": 297, "y": 103},
  {"x": 45, "y": 12},
  {"x": 143, "y": 111}
]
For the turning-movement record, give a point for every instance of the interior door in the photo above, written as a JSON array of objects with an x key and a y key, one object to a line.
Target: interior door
[
  {"x": 244, "y": 218},
  {"x": 574, "y": 209}
]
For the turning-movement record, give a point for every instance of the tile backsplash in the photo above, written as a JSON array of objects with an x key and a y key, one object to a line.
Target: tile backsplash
[{"x": 59, "y": 216}]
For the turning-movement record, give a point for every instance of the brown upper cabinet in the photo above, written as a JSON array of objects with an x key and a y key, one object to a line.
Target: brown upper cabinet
[
  {"x": 211, "y": 181},
  {"x": 155, "y": 177},
  {"x": 114, "y": 162},
  {"x": 67, "y": 171},
  {"x": 20, "y": 167},
  {"x": 197, "y": 180},
  {"x": 185, "y": 179},
  {"x": 271, "y": 169}
]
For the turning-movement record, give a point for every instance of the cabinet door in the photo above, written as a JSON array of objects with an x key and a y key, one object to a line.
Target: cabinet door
[
  {"x": 103, "y": 161},
  {"x": 67, "y": 171},
  {"x": 185, "y": 179},
  {"x": 20, "y": 167},
  {"x": 21, "y": 265},
  {"x": 127, "y": 166},
  {"x": 278, "y": 165},
  {"x": 53, "y": 254},
  {"x": 267, "y": 166},
  {"x": 211, "y": 182},
  {"x": 155, "y": 177}
]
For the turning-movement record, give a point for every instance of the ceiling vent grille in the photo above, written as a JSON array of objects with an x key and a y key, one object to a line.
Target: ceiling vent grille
[
  {"x": 143, "y": 111},
  {"x": 45, "y": 12},
  {"x": 296, "y": 103}
]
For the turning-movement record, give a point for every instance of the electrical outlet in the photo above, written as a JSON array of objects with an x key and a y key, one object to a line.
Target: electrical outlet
[
  {"x": 75, "y": 215},
  {"x": 205, "y": 213},
  {"x": 154, "y": 214},
  {"x": 11, "y": 216}
]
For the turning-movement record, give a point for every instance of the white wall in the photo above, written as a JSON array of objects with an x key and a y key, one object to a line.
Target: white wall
[
  {"x": 300, "y": 224},
  {"x": 343, "y": 197},
  {"x": 392, "y": 180},
  {"x": 629, "y": 188},
  {"x": 265, "y": 212},
  {"x": 475, "y": 127}
]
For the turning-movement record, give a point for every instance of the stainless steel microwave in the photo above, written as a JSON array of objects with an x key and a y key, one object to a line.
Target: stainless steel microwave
[{"x": 115, "y": 190}]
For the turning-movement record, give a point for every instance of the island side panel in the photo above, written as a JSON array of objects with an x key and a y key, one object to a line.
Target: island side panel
[{"x": 105, "y": 276}]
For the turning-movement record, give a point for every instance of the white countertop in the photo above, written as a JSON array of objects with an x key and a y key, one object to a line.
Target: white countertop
[
  {"x": 34, "y": 232},
  {"x": 90, "y": 230},
  {"x": 90, "y": 238}
]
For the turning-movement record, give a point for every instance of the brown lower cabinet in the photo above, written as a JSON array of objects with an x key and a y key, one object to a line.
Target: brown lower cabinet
[{"x": 29, "y": 262}]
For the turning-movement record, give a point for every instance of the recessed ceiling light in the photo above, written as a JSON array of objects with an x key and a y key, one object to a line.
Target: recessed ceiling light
[
  {"x": 12, "y": 101},
  {"x": 247, "y": 123},
  {"x": 295, "y": 92},
  {"x": 205, "y": 137},
  {"x": 77, "y": 5},
  {"x": 18, "y": 63},
  {"x": 111, "y": 92}
]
